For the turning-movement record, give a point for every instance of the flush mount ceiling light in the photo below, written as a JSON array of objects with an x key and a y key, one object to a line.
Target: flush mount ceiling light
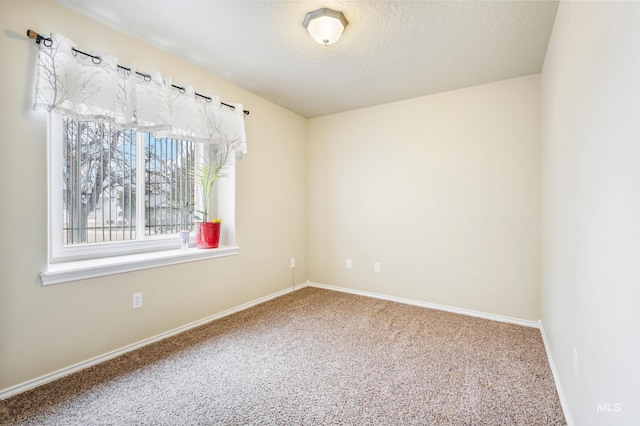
[{"x": 325, "y": 25}]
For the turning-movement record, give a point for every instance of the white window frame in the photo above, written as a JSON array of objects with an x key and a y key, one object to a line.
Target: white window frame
[{"x": 76, "y": 262}]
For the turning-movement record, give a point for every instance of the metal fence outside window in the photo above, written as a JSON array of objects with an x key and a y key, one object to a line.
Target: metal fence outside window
[{"x": 100, "y": 196}]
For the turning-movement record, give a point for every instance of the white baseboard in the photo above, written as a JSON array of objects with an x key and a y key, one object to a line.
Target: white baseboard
[
  {"x": 493, "y": 317},
  {"x": 556, "y": 378},
  {"x": 30, "y": 384}
]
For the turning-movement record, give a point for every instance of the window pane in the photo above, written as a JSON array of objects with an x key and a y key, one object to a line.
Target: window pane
[
  {"x": 99, "y": 183},
  {"x": 169, "y": 183}
]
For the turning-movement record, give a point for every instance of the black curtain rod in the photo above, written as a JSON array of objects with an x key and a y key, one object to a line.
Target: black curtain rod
[{"x": 96, "y": 60}]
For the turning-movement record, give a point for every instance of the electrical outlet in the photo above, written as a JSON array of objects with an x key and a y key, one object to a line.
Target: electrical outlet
[
  {"x": 293, "y": 262},
  {"x": 575, "y": 361},
  {"x": 137, "y": 300},
  {"x": 348, "y": 264},
  {"x": 376, "y": 267}
]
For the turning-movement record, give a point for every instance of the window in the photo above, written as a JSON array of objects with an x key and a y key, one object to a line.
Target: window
[
  {"x": 118, "y": 192},
  {"x": 123, "y": 149},
  {"x": 99, "y": 184}
]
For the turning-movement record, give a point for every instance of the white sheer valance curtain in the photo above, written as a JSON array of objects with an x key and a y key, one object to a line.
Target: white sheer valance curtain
[{"x": 92, "y": 87}]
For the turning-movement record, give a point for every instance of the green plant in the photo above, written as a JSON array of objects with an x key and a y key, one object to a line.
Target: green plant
[{"x": 209, "y": 169}]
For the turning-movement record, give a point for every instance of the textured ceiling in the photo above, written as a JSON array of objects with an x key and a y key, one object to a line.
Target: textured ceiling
[{"x": 391, "y": 50}]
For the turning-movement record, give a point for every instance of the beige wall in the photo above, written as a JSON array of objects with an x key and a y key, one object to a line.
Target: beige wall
[
  {"x": 43, "y": 329},
  {"x": 442, "y": 190},
  {"x": 591, "y": 208}
]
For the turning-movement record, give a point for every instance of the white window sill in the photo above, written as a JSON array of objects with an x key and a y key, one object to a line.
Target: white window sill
[{"x": 82, "y": 269}]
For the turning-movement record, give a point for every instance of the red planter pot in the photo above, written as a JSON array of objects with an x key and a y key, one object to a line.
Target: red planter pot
[{"x": 207, "y": 234}]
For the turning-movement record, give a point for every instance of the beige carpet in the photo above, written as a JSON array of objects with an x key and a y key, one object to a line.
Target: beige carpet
[{"x": 313, "y": 357}]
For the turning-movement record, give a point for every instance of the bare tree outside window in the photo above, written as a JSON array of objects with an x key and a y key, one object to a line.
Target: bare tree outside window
[
  {"x": 100, "y": 188},
  {"x": 169, "y": 185}
]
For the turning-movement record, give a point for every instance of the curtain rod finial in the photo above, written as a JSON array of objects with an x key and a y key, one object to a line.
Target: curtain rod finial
[{"x": 37, "y": 37}]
